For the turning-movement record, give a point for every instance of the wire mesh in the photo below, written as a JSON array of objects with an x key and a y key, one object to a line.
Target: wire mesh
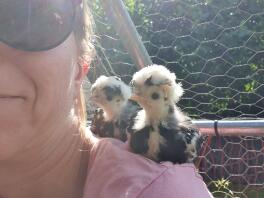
[{"x": 216, "y": 49}]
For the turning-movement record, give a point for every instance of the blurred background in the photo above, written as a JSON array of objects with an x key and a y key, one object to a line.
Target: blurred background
[{"x": 216, "y": 49}]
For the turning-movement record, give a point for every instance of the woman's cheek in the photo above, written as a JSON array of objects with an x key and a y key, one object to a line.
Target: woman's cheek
[{"x": 47, "y": 81}]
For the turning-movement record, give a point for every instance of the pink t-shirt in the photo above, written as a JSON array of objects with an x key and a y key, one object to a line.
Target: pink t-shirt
[{"x": 115, "y": 172}]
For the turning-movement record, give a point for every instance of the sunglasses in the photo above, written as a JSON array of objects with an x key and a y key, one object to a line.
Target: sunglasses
[{"x": 36, "y": 25}]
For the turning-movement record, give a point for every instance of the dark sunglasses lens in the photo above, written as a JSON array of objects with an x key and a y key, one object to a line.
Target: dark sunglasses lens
[{"x": 35, "y": 25}]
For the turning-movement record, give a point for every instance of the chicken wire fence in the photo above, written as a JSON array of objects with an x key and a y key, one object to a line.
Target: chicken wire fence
[{"x": 216, "y": 49}]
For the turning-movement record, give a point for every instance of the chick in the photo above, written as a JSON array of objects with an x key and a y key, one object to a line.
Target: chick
[
  {"x": 112, "y": 96},
  {"x": 161, "y": 131}
]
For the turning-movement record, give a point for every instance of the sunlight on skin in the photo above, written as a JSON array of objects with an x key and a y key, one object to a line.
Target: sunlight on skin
[{"x": 37, "y": 129}]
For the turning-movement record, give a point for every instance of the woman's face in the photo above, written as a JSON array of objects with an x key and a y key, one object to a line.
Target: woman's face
[{"x": 37, "y": 91}]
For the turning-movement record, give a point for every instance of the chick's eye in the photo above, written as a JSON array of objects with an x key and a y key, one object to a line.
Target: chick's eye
[{"x": 155, "y": 96}]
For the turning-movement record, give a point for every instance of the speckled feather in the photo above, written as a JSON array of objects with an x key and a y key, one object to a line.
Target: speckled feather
[
  {"x": 112, "y": 118},
  {"x": 161, "y": 131}
]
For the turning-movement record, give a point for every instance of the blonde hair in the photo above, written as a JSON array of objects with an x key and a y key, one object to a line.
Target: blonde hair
[{"x": 83, "y": 32}]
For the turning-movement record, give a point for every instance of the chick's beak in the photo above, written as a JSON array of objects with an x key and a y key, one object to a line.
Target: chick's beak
[
  {"x": 94, "y": 99},
  {"x": 94, "y": 96},
  {"x": 135, "y": 97},
  {"x": 140, "y": 100}
]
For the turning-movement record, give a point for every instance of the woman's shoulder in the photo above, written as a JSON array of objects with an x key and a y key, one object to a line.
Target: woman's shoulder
[{"x": 113, "y": 171}]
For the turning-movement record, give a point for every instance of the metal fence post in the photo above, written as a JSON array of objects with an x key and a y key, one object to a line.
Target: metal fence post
[{"x": 120, "y": 19}]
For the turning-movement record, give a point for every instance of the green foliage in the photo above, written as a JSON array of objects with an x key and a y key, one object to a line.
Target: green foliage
[
  {"x": 130, "y": 6},
  {"x": 250, "y": 87},
  {"x": 215, "y": 47},
  {"x": 222, "y": 189},
  {"x": 253, "y": 66}
]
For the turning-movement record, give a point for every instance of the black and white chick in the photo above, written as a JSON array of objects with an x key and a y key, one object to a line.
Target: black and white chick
[
  {"x": 161, "y": 131},
  {"x": 111, "y": 119}
]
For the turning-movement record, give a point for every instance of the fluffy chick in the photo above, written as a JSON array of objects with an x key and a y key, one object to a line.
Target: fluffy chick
[
  {"x": 161, "y": 131},
  {"x": 112, "y": 96}
]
